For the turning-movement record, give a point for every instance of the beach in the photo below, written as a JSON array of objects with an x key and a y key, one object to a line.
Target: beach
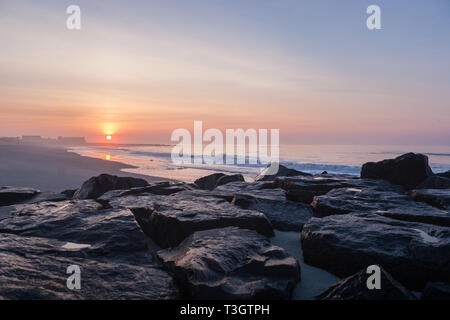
[{"x": 53, "y": 168}]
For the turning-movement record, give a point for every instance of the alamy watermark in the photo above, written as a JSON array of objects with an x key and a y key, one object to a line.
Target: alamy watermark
[
  {"x": 74, "y": 280},
  {"x": 239, "y": 147}
]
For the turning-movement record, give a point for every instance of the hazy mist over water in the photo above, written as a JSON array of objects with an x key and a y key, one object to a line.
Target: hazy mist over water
[{"x": 156, "y": 160}]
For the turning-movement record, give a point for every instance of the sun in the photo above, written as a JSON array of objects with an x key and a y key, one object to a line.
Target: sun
[{"x": 108, "y": 138}]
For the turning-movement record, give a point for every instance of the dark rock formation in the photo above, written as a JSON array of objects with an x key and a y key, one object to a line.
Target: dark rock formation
[
  {"x": 97, "y": 186},
  {"x": 345, "y": 200},
  {"x": 69, "y": 193},
  {"x": 208, "y": 182},
  {"x": 282, "y": 172},
  {"x": 305, "y": 188},
  {"x": 283, "y": 214},
  {"x": 435, "y": 182},
  {"x": 36, "y": 268},
  {"x": 140, "y": 196},
  {"x": 407, "y": 170},
  {"x": 12, "y": 195},
  {"x": 355, "y": 288},
  {"x": 229, "y": 178},
  {"x": 217, "y": 179},
  {"x": 414, "y": 253},
  {"x": 444, "y": 174},
  {"x": 437, "y": 198},
  {"x": 106, "y": 232},
  {"x": 436, "y": 291},
  {"x": 384, "y": 202},
  {"x": 169, "y": 220},
  {"x": 231, "y": 263}
]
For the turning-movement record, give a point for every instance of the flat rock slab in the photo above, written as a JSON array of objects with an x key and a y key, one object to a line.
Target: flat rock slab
[
  {"x": 355, "y": 288},
  {"x": 414, "y": 253},
  {"x": 109, "y": 231},
  {"x": 12, "y": 195},
  {"x": 169, "y": 220},
  {"x": 35, "y": 268},
  {"x": 231, "y": 263},
  {"x": 284, "y": 215},
  {"x": 382, "y": 202},
  {"x": 304, "y": 189},
  {"x": 439, "y": 198}
]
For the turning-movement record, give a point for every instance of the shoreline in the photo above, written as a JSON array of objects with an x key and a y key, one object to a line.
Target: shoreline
[{"x": 54, "y": 168}]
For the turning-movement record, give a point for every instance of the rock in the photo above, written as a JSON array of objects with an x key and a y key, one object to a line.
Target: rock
[
  {"x": 413, "y": 253},
  {"x": 436, "y": 291},
  {"x": 435, "y": 182},
  {"x": 282, "y": 172},
  {"x": 97, "y": 186},
  {"x": 434, "y": 197},
  {"x": 383, "y": 199},
  {"x": 345, "y": 200},
  {"x": 444, "y": 174},
  {"x": 231, "y": 263},
  {"x": 284, "y": 215},
  {"x": 106, "y": 232},
  {"x": 324, "y": 172},
  {"x": 36, "y": 268},
  {"x": 229, "y": 178},
  {"x": 407, "y": 170},
  {"x": 69, "y": 193},
  {"x": 131, "y": 197},
  {"x": 305, "y": 188},
  {"x": 169, "y": 220},
  {"x": 208, "y": 182},
  {"x": 12, "y": 195},
  {"x": 355, "y": 288}
]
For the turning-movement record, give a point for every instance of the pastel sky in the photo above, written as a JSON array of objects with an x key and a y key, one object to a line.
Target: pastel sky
[{"x": 140, "y": 69}]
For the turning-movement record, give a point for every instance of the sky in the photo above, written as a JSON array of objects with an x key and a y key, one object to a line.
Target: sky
[{"x": 137, "y": 70}]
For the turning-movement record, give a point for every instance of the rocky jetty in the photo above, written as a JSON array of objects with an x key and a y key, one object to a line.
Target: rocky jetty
[{"x": 212, "y": 239}]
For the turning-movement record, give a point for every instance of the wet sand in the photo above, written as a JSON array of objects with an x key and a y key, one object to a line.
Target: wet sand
[{"x": 52, "y": 168}]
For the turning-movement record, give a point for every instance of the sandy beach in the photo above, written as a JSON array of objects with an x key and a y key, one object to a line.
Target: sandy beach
[{"x": 53, "y": 168}]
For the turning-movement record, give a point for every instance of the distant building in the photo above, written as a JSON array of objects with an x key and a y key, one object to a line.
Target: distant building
[
  {"x": 71, "y": 140},
  {"x": 9, "y": 140},
  {"x": 33, "y": 139}
]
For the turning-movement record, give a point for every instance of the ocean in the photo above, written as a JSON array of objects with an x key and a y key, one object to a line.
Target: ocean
[{"x": 155, "y": 160}]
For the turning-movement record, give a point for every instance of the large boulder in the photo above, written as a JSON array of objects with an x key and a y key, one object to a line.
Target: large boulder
[
  {"x": 169, "y": 220},
  {"x": 12, "y": 195},
  {"x": 36, "y": 268},
  {"x": 445, "y": 174},
  {"x": 434, "y": 197},
  {"x": 345, "y": 200},
  {"x": 436, "y": 291},
  {"x": 282, "y": 172},
  {"x": 97, "y": 186},
  {"x": 305, "y": 188},
  {"x": 355, "y": 288},
  {"x": 134, "y": 196},
  {"x": 214, "y": 180},
  {"x": 414, "y": 253},
  {"x": 407, "y": 170},
  {"x": 208, "y": 182},
  {"x": 231, "y": 263},
  {"x": 83, "y": 222},
  {"x": 383, "y": 202},
  {"x": 435, "y": 182},
  {"x": 284, "y": 215}
]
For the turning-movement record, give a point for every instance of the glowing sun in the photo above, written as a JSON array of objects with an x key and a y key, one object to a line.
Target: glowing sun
[{"x": 108, "y": 138}]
